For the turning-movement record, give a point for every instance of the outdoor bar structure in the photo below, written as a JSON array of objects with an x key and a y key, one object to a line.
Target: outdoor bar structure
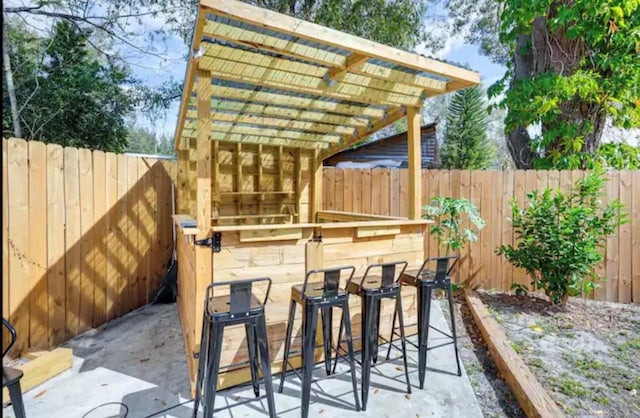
[{"x": 266, "y": 98}]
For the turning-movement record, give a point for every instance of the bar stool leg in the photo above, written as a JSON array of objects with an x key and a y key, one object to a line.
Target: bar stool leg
[
  {"x": 402, "y": 340},
  {"x": 426, "y": 326},
  {"x": 287, "y": 343},
  {"x": 213, "y": 365},
  {"x": 250, "y": 331},
  {"x": 423, "y": 333},
  {"x": 15, "y": 394},
  {"x": 202, "y": 360},
  {"x": 265, "y": 360},
  {"x": 453, "y": 330},
  {"x": 338, "y": 348},
  {"x": 346, "y": 317},
  {"x": 327, "y": 320},
  {"x": 376, "y": 332},
  {"x": 368, "y": 339},
  {"x": 393, "y": 333},
  {"x": 309, "y": 339}
]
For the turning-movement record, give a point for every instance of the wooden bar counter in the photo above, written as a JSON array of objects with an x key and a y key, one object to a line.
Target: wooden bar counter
[{"x": 284, "y": 253}]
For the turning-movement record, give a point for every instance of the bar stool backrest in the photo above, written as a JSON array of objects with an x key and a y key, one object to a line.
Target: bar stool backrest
[
  {"x": 331, "y": 279},
  {"x": 442, "y": 267},
  {"x": 389, "y": 269},
  {"x": 14, "y": 336},
  {"x": 240, "y": 294}
]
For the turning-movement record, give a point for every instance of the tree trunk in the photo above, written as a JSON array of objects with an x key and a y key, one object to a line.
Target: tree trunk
[
  {"x": 11, "y": 89},
  {"x": 538, "y": 53},
  {"x": 518, "y": 140}
]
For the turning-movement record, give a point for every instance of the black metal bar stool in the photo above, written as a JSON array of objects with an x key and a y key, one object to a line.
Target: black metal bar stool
[
  {"x": 316, "y": 296},
  {"x": 426, "y": 282},
  {"x": 11, "y": 377},
  {"x": 240, "y": 306},
  {"x": 372, "y": 289}
]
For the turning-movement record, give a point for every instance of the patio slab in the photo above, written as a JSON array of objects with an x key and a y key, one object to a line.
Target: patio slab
[{"x": 135, "y": 367}]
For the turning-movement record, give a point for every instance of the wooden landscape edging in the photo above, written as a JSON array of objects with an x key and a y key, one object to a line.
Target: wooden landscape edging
[
  {"x": 42, "y": 366},
  {"x": 533, "y": 399}
]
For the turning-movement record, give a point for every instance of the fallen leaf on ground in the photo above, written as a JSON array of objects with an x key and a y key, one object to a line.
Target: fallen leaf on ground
[
  {"x": 375, "y": 392},
  {"x": 159, "y": 345},
  {"x": 104, "y": 384},
  {"x": 321, "y": 411},
  {"x": 408, "y": 396},
  {"x": 40, "y": 394},
  {"x": 142, "y": 360},
  {"x": 535, "y": 328},
  {"x": 164, "y": 403}
]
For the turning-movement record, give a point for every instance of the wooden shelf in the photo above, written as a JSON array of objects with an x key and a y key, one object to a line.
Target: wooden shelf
[
  {"x": 232, "y": 217},
  {"x": 254, "y": 193}
]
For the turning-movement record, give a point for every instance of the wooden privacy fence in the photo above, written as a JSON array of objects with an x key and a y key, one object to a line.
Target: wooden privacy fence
[
  {"x": 385, "y": 192},
  {"x": 86, "y": 237}
]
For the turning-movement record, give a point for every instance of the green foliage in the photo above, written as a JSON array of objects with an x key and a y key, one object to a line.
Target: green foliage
[
  {"x": 448, "y": 214},
  {"x": 66, "y": 94},
  {"x": 559, "y": 236},
  {"x": 466, "y": 145},
  {"x": 392, "y": 22},
  {"x": 585, "y": 66},
  {"x": 607, "y": 156}
]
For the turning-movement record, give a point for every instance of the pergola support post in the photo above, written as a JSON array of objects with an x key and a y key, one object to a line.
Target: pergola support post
[
  {"x": 415, "y": 163},
  {"x": 203, "y": 259}
]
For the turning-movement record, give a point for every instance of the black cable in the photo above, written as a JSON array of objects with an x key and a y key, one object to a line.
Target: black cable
[{"x": 126, "y": 408}]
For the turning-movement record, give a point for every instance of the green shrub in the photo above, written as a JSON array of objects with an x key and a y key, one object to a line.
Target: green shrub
[
  {"x": 559, "y": 236},
  {"x": 448, "y": 213}
]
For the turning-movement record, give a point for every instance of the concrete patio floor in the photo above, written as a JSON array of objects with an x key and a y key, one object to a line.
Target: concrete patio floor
[{"x": 135, "y": 367}]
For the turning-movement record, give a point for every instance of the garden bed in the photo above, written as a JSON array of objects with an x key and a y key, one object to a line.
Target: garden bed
[{"x": 585, "y": 355}]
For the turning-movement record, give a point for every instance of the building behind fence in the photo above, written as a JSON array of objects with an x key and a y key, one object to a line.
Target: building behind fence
[{"x": 87, "y": 235}]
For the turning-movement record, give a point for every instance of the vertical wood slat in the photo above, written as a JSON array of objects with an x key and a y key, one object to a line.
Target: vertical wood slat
[
  {"x": 144, "y": 232},
  {"x": 475, "y": 261},
  {"x": 613, "y": 243},
  {"x": 87, "y": 240},
  {"x": 486, "y": 199},
  {"x": 122, "y": 233},
  {"x": 56, "y": 280},
  {"x": 366, "y": 191},
  {"x": 464, "y": 193},
  {"x": 497, "y": 220},
  {"x": 347, "y": 199},
  {"x": 100, "y": 237},
  {"x": 454, "y": 192},
  {"x": 38, "y": 297},
  {"x": 111, "y": 251},
  {"x": 18, "y": 177},
  {"x": 131, "y": 242},
  {"x": 625, "y": 239},
  {"x": 508, "y": 190},
  {"x": 635, "y": 237},
  {"x": 5, "y": 237},
  {"x": 73, "y": 255}
]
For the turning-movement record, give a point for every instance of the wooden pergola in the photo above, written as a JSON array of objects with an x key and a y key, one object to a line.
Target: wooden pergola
[
  {"x": 269, "y": 97},
  {"x": 261, "y": 77}
]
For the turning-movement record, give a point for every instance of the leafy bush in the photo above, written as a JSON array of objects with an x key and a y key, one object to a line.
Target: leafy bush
[
  {"x": 559, "y": 236},
  {"x": 447, "y": 213}
]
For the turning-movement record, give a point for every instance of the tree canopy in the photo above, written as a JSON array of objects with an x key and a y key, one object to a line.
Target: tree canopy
[
  {"x": 65, "y": 94},
  {"x": 466, "y": 145}
]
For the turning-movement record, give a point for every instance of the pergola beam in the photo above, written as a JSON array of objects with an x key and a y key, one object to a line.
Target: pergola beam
[
  {"x": 245, "y": 72},
  {"x": 270, "y": 132},
  {"x": 249, "y": 119},
  {"x": 284, "y": 99},
  {"x": 353, "y": 61},
  {"x": 257, "y": 139}
]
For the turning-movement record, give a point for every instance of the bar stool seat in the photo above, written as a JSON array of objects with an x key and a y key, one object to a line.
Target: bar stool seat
[
  {"x": 239, "y": 306},
  {"x": 426, "y": 281},
  {"x": 372, "y": 288},
  {"x": 313, "y": 297}
]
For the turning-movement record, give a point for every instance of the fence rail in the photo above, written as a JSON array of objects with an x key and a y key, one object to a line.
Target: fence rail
[
  {"x": 86, "y": 237},
  {"x": 385, "y": 192}
]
